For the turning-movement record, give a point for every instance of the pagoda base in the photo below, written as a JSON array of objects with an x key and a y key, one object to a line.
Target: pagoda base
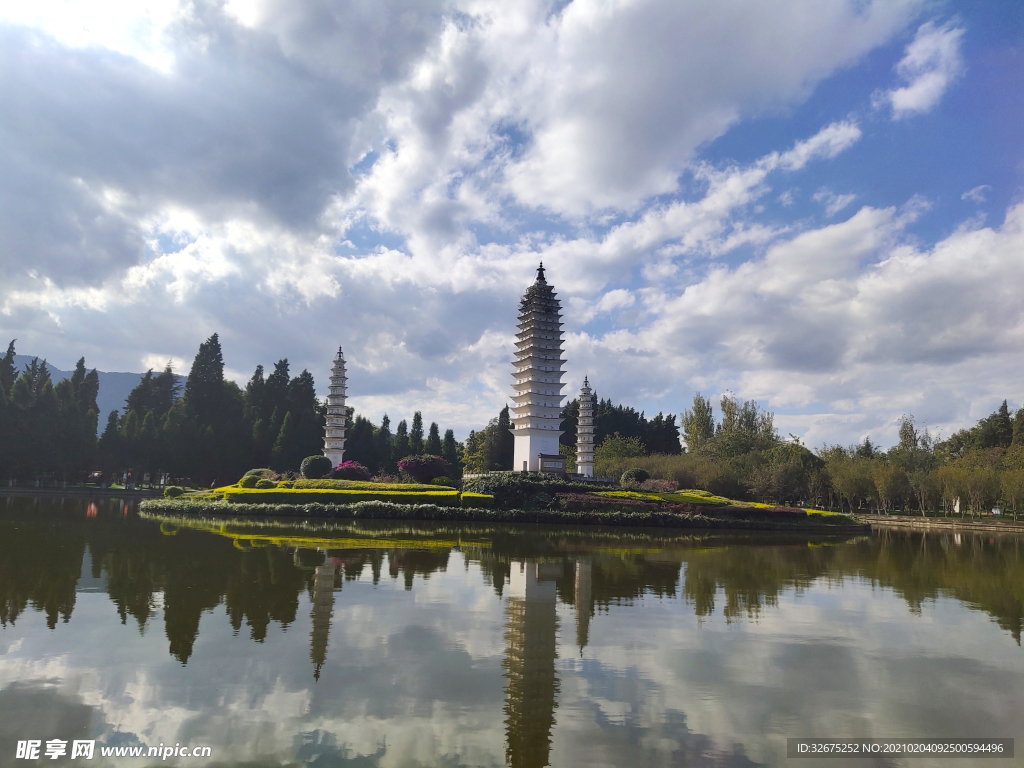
[
  {"x": 529, "y": 444},
  {"x": 336, "y": 457}
]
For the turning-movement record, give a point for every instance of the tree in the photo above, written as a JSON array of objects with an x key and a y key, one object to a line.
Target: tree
[
  {"x": 383, "y": 442},
  {"x": 8, "y": 373},
  {"x": 698, "y": 424},
  {"x": 1011, "y": 488},
  {"x": 416, "y": 434},
  {"x": 401, "y": 447},
  {"x": 433, "y": 444},
  {"x": 450, "y": 452},
  {"x": 618, "y": 447}
]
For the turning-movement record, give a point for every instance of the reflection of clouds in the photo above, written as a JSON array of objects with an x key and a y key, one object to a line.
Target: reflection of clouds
[{"x": 415, "y": 677}]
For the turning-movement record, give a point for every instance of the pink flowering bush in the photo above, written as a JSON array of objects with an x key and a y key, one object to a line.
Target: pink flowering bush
[{"x": 350, "y": 470}]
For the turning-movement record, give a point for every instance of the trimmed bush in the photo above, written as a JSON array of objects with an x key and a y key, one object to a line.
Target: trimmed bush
[
  {"x": 634, "y": 476},
  {"x": 315, "y": 467},
  {"x": 360, "y": 485},
  {"x": 249, "y": 481},
  {"x": 350, "y": 470},
  {"x": 264, "y": 484},
  {"x": 445, "y": 481},
  {"x": 378, "y": 510},
  {"x": 516, "y": 490},
  {"x": 311, "y": 495},
  {"x": 477, "y": 501},
  {"x": 173, "y": 491},
  {"x": 422, "y": 468}
]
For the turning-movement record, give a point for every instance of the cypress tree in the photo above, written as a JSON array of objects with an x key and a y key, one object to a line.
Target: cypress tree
[
  {"x": 416, "y": 434},
  {"x": 433, "y": 445},
  {"x": 401, "y": 449},
  {"x": 284, "y": 447},
  {"x": 7, "y": 371},
  {"x": 450, "y": 451},
  {"x": 505, "y": 440},
  {"x": 383, "y": 441},
  {"x": 110, "y": 442}
]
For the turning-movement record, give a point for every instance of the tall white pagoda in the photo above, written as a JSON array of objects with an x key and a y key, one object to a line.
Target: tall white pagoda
[
  {"x": 538, "y": 380},
  {"x": 337, "y": 415},
  {"x": 585, "y": 432}
]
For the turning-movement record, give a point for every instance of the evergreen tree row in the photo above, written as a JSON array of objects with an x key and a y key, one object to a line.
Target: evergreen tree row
[
  {"x": 380, "y": 450},
  {"x": 46, "y": 429}
]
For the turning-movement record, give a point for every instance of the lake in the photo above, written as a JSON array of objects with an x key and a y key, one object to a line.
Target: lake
[{"x": 374, "y": 644}]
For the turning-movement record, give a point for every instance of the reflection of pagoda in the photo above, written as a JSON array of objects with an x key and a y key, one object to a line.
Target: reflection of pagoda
[
  {"x": 323, "y": 608},
  {"x": 531, "y": 684},
  {"x": 584, "y": 603}
]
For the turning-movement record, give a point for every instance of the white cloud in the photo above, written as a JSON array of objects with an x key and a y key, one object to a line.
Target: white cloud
[
  {"x": 930, "y": 65},
  {"x": 833, "y": 203},
  {"x": 977, "y": 194}
]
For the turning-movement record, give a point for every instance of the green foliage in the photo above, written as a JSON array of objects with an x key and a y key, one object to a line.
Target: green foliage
[
  {"x": 173, "y": 491},
  {"x": 341, "y": 496},
  {"x": 444, "y": 481},
  {"x": 315, "y": 467},
  {"x": 515, "y": 490},
  {"x": 359, "y": 485},
  {"x": 618, "y": 447},
  {"x": 698, "y": 424},
  {"x": 264, "y": 484},
  {"x": 477, "y": 500},
  {"x": 634, "y": 476}
]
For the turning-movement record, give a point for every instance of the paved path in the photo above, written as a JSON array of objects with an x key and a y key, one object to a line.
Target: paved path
[{"x": 907, "y": 522}]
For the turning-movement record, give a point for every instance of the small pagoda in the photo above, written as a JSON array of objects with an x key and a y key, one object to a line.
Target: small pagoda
[
  {"x": 585, "y": 431},
  {"x": 337, "y": 414},
  {"x": 538, "y": 380}
]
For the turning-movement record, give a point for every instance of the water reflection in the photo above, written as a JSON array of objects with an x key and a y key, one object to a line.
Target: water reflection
[{"x": 555, "y": 586}]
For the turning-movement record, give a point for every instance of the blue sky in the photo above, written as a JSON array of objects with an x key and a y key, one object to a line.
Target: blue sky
[{"x": 817, "y": 205}]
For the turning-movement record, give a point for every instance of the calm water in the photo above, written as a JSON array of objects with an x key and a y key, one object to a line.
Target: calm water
[{"x": 440, "y": 645}]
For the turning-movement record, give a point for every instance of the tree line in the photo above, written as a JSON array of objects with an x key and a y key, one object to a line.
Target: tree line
[
  {"x": 741, "y": 455},
  {"x": 210, "y": 430}
]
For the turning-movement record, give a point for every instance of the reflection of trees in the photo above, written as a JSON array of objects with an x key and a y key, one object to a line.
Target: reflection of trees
[
  {"x": 986, "y": 572},
  {"x": 750, "y": 577},
  {"x": 39, "y": 566}
]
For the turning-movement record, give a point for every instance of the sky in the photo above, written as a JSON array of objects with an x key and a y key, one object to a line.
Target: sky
[{"x": 818, "y": 205}]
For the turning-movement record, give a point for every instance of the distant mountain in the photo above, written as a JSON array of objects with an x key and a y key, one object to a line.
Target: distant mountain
[{"x": 114, "y": 387}]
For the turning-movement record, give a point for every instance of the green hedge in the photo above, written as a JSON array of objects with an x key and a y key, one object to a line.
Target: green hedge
[
  {"x": 379, "y": 510},
  {"x": 477, "y": 500},
  {"x": 359, "y": 485},
  {"x": 313, "y": 495}
]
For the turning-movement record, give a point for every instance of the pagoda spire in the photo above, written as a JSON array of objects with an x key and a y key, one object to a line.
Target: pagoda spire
[
  {"x": 337, "y": 413},
  {"x": 585, "y": 431},
  {"x": 537, "y": 387}
]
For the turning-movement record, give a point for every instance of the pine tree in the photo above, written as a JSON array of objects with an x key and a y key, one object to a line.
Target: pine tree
[
  {"x": 416, "y": 434},
  {"x": 204, "y": 390},
  {"x": 433, "y": 445}
]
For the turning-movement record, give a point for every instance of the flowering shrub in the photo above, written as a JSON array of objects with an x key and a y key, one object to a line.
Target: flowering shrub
[
  {"x": 423, "y": 468},
  {"x": 350, "y": 470}
]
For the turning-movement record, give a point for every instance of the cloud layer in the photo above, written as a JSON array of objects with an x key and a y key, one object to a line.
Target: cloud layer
[{"x": 386, "y": 176}]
